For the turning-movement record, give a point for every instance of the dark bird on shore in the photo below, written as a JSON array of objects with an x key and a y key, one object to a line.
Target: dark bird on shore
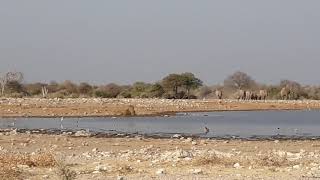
[{"x": 206, "y": 130}]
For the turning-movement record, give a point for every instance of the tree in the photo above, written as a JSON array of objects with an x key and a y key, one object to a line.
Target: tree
[
  {"x": 85, "y": 88},
  {"x": 296, "y": 90},
  {"x": 155, "y": 91},
  {"x": 173, "y": 82},
  {"x": 109, "y": 91},
  {"x": 189, "y": 81},
  {"x": 34, "y": 89},
  {"x": 139, "y": 89},
  {"x": 10, "y": 77},
  {"x": 204, "y": 91},
  {"x": 239, "y": 80},
  {"x": 69, "y": 87}
]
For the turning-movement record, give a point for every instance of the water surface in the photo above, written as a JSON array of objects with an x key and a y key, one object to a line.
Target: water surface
[{"x": 221, "y": 124}]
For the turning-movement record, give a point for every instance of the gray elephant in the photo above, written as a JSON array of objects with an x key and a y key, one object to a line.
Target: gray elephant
[
  {"x": 241, "y": 95},
  {"x": 248, "y": 95},
  {"x": 255, "y": 96},
  {"x": 263, "y": 94},
  {"x": 285, "y": 93},
  {"x": 218, "y": 94}
]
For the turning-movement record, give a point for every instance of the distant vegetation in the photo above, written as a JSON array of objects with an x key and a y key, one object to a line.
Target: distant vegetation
[{"x": 173, "y": 86}]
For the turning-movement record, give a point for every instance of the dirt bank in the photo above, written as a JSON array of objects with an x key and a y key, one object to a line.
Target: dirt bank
[
  {"x": 32, "y": 107},
  {"x": 30, "y": 156}
]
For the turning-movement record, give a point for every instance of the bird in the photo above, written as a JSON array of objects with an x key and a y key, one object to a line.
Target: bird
[
  {"x": 206, "y": 130},
  {"x": 61, "y": 125}
]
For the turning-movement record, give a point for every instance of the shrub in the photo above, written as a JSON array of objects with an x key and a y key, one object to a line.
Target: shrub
[{"x": 85, "y": 88}]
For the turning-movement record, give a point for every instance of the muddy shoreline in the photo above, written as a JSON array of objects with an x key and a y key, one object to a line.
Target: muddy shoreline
[{"x": 94, "y": 107}]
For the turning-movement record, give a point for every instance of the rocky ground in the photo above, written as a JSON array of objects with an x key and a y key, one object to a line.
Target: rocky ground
[
  {"x": 79, "y": 156},
  {"x": 30, "y": 107}
]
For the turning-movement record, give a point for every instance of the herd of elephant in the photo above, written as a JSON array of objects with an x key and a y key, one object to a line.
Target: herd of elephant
[{"x": 256, "y": 95}]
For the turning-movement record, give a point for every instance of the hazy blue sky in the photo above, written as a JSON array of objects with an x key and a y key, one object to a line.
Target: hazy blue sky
[{"x": 124, "y": 41}]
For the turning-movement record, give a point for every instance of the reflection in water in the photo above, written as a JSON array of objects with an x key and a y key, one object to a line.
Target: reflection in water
[{"x": 216, "y": 124}]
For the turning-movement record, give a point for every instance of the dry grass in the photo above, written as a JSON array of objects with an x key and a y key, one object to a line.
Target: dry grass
[
  {"x": 9, "y": 163},
  {"x": 214, "y": 160},
  {"x": 37, "y": 160},
  {"x": 273, "y": 160},
  {"x": 266, "y": 160},
  {"x": 9, "y": 173},
  {"x": 64, "y": 172}
]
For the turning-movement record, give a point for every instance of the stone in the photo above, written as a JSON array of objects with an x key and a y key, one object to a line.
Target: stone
[
  {"x": 120, "y": 178},
  {"x": 188, "y": 140},
  {"x": 197, "y": 171},
  {"x": 23, "y": 166},
  {"x": 296, "y": 167},
  {"x": 45, "y": 176},
  {"x": 100, "y": 168},
  {"x": 160, "y": 172},
  {"x": 237, "y": 166},
  {"x": 177, "y": 136},
  {"x": 95, "y": 150},
  {"x": 82, "y": 133}
]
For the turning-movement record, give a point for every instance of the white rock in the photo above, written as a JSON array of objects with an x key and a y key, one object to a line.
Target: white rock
[
  {"x": 82, "y": 133},
  {"x": 45, "y": 176},
  {"x": 197, "y": 171},
  {"x": 296, "y": 167},
  {"x": 120, "y": 178},
  {"x": 194, "y": 143},
  {"x": 100, "y": 168},
  {"x": 177, "y": 136},
  {"x": 237, "y": 166},
  {"x": 160, "y": 171},
  {"x": 95, "y": 150},
  {"x": 23, "y": 166}
]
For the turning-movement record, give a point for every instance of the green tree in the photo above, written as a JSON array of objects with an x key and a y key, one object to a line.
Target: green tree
[
  {"x": 173, "y": 82},
  {"x": 155, "y": 91},
  {"x": 139, "y": 89},
  {"x": 189, "y": 81}
]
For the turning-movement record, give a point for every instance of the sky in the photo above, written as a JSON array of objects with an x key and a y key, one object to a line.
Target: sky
[{"x": 126, "y": 41}]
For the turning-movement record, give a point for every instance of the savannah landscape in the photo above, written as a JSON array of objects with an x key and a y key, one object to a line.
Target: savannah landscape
[
  {"x": 159, "y": 90},
  {"x": 35, "y": 154}
]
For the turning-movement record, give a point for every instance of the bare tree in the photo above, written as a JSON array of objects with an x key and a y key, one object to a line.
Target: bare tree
[
  {"x": 44, "y": 91},
  {"x": 239, "y": 80},
  {"x": 10, "y": 77},
  {"x": 293, "y": 88}
]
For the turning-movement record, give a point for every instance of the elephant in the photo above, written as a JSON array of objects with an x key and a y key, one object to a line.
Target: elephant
[
  {"x": 254, "y": 96},
  {"x": 263, "y": 94},
  {"x": 285, "y": 93},
  {"x": 248, "y": 95},
  {"x": 218, "y": 94},
  {"x": 241, "y": 94}
]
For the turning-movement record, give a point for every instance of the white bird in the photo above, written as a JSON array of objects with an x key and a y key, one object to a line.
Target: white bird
[{"x": 61, "y": 125}]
